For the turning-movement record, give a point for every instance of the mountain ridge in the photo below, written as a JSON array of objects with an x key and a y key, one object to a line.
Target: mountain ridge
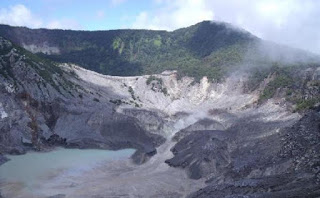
[
  {"x": 132, "y": 52},
  {"x": 211, "y": 49},
  {"x": 239, "y": 136}
]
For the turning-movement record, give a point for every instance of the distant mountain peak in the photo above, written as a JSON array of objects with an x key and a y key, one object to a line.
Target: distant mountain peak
[{"x": 208, "y": 48}]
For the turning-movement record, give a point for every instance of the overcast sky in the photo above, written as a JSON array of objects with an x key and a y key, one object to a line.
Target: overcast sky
[{"x": 291, "y": 22}]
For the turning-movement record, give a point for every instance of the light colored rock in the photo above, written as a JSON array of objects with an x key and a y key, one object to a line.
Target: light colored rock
[
  {"x": 2, "y": 112},
  {"x": 43, "y": 48}
]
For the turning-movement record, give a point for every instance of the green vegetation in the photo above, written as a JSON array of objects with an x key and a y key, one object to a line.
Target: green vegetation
[
  {"x": 157, "y": 84},
  {"x": 280, "y": 81},
  {"x": 201, "y": 50},
  {"x": 157, "y": 41},
  {"x": 48, "y": 70},
  {"x": 205, "y": 49},
  {"x": 290, "y": 81},
  {"x": 153, "y": 78},
  {"x": 5, "y": 66},
  {"x": 116, "y": 43},
  {"x": 117, "y": 102},
  {"x": 6, "y": 70},
  {"x": 131, "y": 91},
  {"x": 281, "y": 76},
  {"x": 164, "y": 91},
  {"x": 303, "y": 104}
]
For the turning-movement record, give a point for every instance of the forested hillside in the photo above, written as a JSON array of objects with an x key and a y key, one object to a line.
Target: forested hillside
[
  {"x": 196, "y": 51},
  {"x": 209, "y": 49}
]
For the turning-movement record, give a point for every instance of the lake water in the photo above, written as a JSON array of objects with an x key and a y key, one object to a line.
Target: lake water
[{"x": 26, "y": 173}]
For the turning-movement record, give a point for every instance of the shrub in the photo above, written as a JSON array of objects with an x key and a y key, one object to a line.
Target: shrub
[
  {"x": 153, "y": 78},
  {"x": 303, "y": 104},
  {"x": 131, "y": 91}
]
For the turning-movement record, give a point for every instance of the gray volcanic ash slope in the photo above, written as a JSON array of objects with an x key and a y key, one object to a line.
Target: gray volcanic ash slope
[
  {"x": 284, "y": 164},
  {"x": 44, "y": 105},
  {"x": 253, "y": 133}
]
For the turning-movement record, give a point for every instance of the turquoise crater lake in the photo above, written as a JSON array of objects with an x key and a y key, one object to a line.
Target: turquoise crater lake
[{"x": 32, "y": 169}]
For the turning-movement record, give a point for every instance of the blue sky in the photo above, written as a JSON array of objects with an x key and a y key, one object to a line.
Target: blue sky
[
  {"x": 92, "y": 15},
  {"x": 291, "y": 22}
]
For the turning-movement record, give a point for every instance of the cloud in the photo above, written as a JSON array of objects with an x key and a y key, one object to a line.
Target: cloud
[
  {"x": 20, "y": 15},
  {"x": 291, "y": 22},
  {"x": 173, "y": 14}
]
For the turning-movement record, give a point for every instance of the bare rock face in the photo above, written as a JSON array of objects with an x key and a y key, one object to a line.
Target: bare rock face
[
  {"x": 43, "y": 48},
  {"x": 3, "y": 159},
  {"x": 152, "y": 121},
  {"x": 239, "y": 147},
  {"x": 44, "y": 105},
  {"x": 202, "y": 153},
  {"x": 286, "y": 185},
  {"x": 300, "y": 143},
  {"x": 284, "y": 164},
  {"x": 55, "y": 140},
  {"x": 201, "y": 125},
  {"x": 124, "y": 132}
]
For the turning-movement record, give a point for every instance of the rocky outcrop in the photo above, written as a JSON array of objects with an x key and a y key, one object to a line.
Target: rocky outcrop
[
  {"x": 300, "y": 143},
  {"x": 3, "y": 159},
  {"x": 286, "y": 185},
  {"x": 224, "y": 135},
  {"x": 127, "y": 131},
  {"x": 202, "y": 153},
  {"x": 285, "y": 163},
  {"x": 152, "y": 121},
  {"x": 44, "y": 105},
  {"x": 55, "y": 140},
  {"x": 201, "y": 125}
]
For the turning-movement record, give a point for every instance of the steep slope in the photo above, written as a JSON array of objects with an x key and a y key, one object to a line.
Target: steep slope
[
  {"x": 211, "y": 49},
  {"x": 247, "y": 154},
  {"x": 234, "y": 137},
  {"x": 44, "y": 105},
  {"x": 283, "y": 164},
  {"x": 136, "y": 52}
]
